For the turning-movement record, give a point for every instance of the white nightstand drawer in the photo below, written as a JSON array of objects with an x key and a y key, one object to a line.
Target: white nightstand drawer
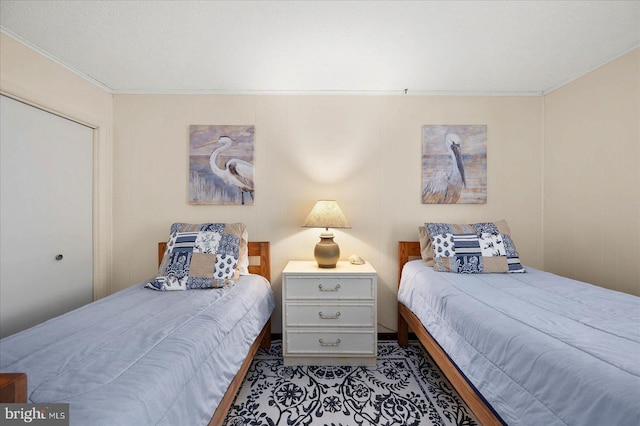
[
  {"x": 319, "y": 288},
  {"x": 329, "y": 315},
  {"x": 343, "y": 343}
]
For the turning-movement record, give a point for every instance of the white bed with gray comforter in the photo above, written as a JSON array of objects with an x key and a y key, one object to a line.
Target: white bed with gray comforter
[
  {"x": 142, "y": 357},
  {"x": 168, "y": 351},
  {"x": 541, "y": 349}
]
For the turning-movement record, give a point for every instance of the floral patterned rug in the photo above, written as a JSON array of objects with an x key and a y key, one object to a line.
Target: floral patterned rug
[{"x": 405, "y": 388}]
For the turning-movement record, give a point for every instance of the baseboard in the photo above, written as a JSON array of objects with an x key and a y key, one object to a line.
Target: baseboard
[
  {"x": 394, "y": 336},
  {"x": 387, "y": 336}
]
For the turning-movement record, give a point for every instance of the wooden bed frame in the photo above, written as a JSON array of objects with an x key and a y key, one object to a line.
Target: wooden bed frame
[
  {"x": 13, "y": 386},
  {"x": 409, "y": 250}
]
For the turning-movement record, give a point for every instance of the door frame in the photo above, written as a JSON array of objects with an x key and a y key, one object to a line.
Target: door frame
[{"x": 102, "y": 179}]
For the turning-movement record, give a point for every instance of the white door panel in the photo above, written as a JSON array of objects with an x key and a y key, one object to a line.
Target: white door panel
[{"x": 45, "y": 210}]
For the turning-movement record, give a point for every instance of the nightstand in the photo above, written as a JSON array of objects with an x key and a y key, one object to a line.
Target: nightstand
[{"x": 329, "y": 316}]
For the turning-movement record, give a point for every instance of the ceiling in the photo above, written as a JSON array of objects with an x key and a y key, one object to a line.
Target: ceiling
[{"x": 458, "y": 47}]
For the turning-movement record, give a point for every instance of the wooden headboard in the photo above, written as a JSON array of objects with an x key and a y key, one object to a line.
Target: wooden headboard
[
  {"x": 257, "y": 249},
  {"x": 407, "y": 250}
]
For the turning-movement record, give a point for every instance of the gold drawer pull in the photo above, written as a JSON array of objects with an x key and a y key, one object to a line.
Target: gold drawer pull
[
  {"x": 322, "y": 343},
  {"x": 323, "y": 316},
  {"x": 336, "y": 288}
]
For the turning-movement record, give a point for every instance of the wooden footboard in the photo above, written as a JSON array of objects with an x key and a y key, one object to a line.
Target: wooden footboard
[
  {"x": 13, "y": 388},
  {"x": 485, "y": 415}
]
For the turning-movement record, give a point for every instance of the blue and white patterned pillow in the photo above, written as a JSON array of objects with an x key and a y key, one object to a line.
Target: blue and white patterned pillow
[
  {"x": 200, "y": 256},
  {"x": 473, "y": 248}
]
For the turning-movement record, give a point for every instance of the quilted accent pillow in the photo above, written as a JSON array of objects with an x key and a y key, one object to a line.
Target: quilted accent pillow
[
  {"x": 192, "y": 227},
  {"x": 474, "y": 248},
  {"x": 201, "y": 256}
]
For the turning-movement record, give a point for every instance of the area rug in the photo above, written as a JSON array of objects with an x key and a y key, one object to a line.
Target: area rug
[{"x": 404, "y": 388}]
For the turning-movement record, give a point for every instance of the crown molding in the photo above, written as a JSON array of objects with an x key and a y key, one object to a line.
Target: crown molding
[{"x": 54, "y": 59}]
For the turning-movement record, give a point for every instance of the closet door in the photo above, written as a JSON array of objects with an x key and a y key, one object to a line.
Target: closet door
[{"x": 46, "y": 251}]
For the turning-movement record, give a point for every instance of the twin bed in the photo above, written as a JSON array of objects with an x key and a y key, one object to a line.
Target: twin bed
[
  {"x": 526, "y": 349},
  {"x": 142, "y": 357}
]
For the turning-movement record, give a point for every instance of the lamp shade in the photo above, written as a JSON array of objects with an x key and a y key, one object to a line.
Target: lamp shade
[{"x": 326, "y": 214}]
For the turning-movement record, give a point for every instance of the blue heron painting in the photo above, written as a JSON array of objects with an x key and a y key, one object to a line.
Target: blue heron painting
[{"x": 221, "y": 164}]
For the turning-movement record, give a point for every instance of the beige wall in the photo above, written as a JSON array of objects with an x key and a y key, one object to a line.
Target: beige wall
[
  {"x": 592, "y": 177},
  {"x": 30, "y": 77},
  {"x": 364, "y": 151}
]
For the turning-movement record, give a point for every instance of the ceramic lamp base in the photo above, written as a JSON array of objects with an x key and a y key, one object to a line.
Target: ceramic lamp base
[{"x": 327, "y": 252}]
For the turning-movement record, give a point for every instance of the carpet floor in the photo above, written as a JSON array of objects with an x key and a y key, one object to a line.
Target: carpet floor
[{"x": 404, "y": 388}]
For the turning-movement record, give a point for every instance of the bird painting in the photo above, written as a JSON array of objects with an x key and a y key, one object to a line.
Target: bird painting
[
  {"x": 221, "y": 164},
  {"x": 236, "y": 172},
  {"x": 445, "y": 186},
  {"x": 450, "y": 155}
]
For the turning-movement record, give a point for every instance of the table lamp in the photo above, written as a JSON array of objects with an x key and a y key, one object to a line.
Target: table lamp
[{"x": 326, "y": 214}]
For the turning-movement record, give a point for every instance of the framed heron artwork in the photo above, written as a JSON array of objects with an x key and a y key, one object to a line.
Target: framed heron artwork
[
  {"x": 221, "y": 162},
  {"x": 454, "y": 164}
]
